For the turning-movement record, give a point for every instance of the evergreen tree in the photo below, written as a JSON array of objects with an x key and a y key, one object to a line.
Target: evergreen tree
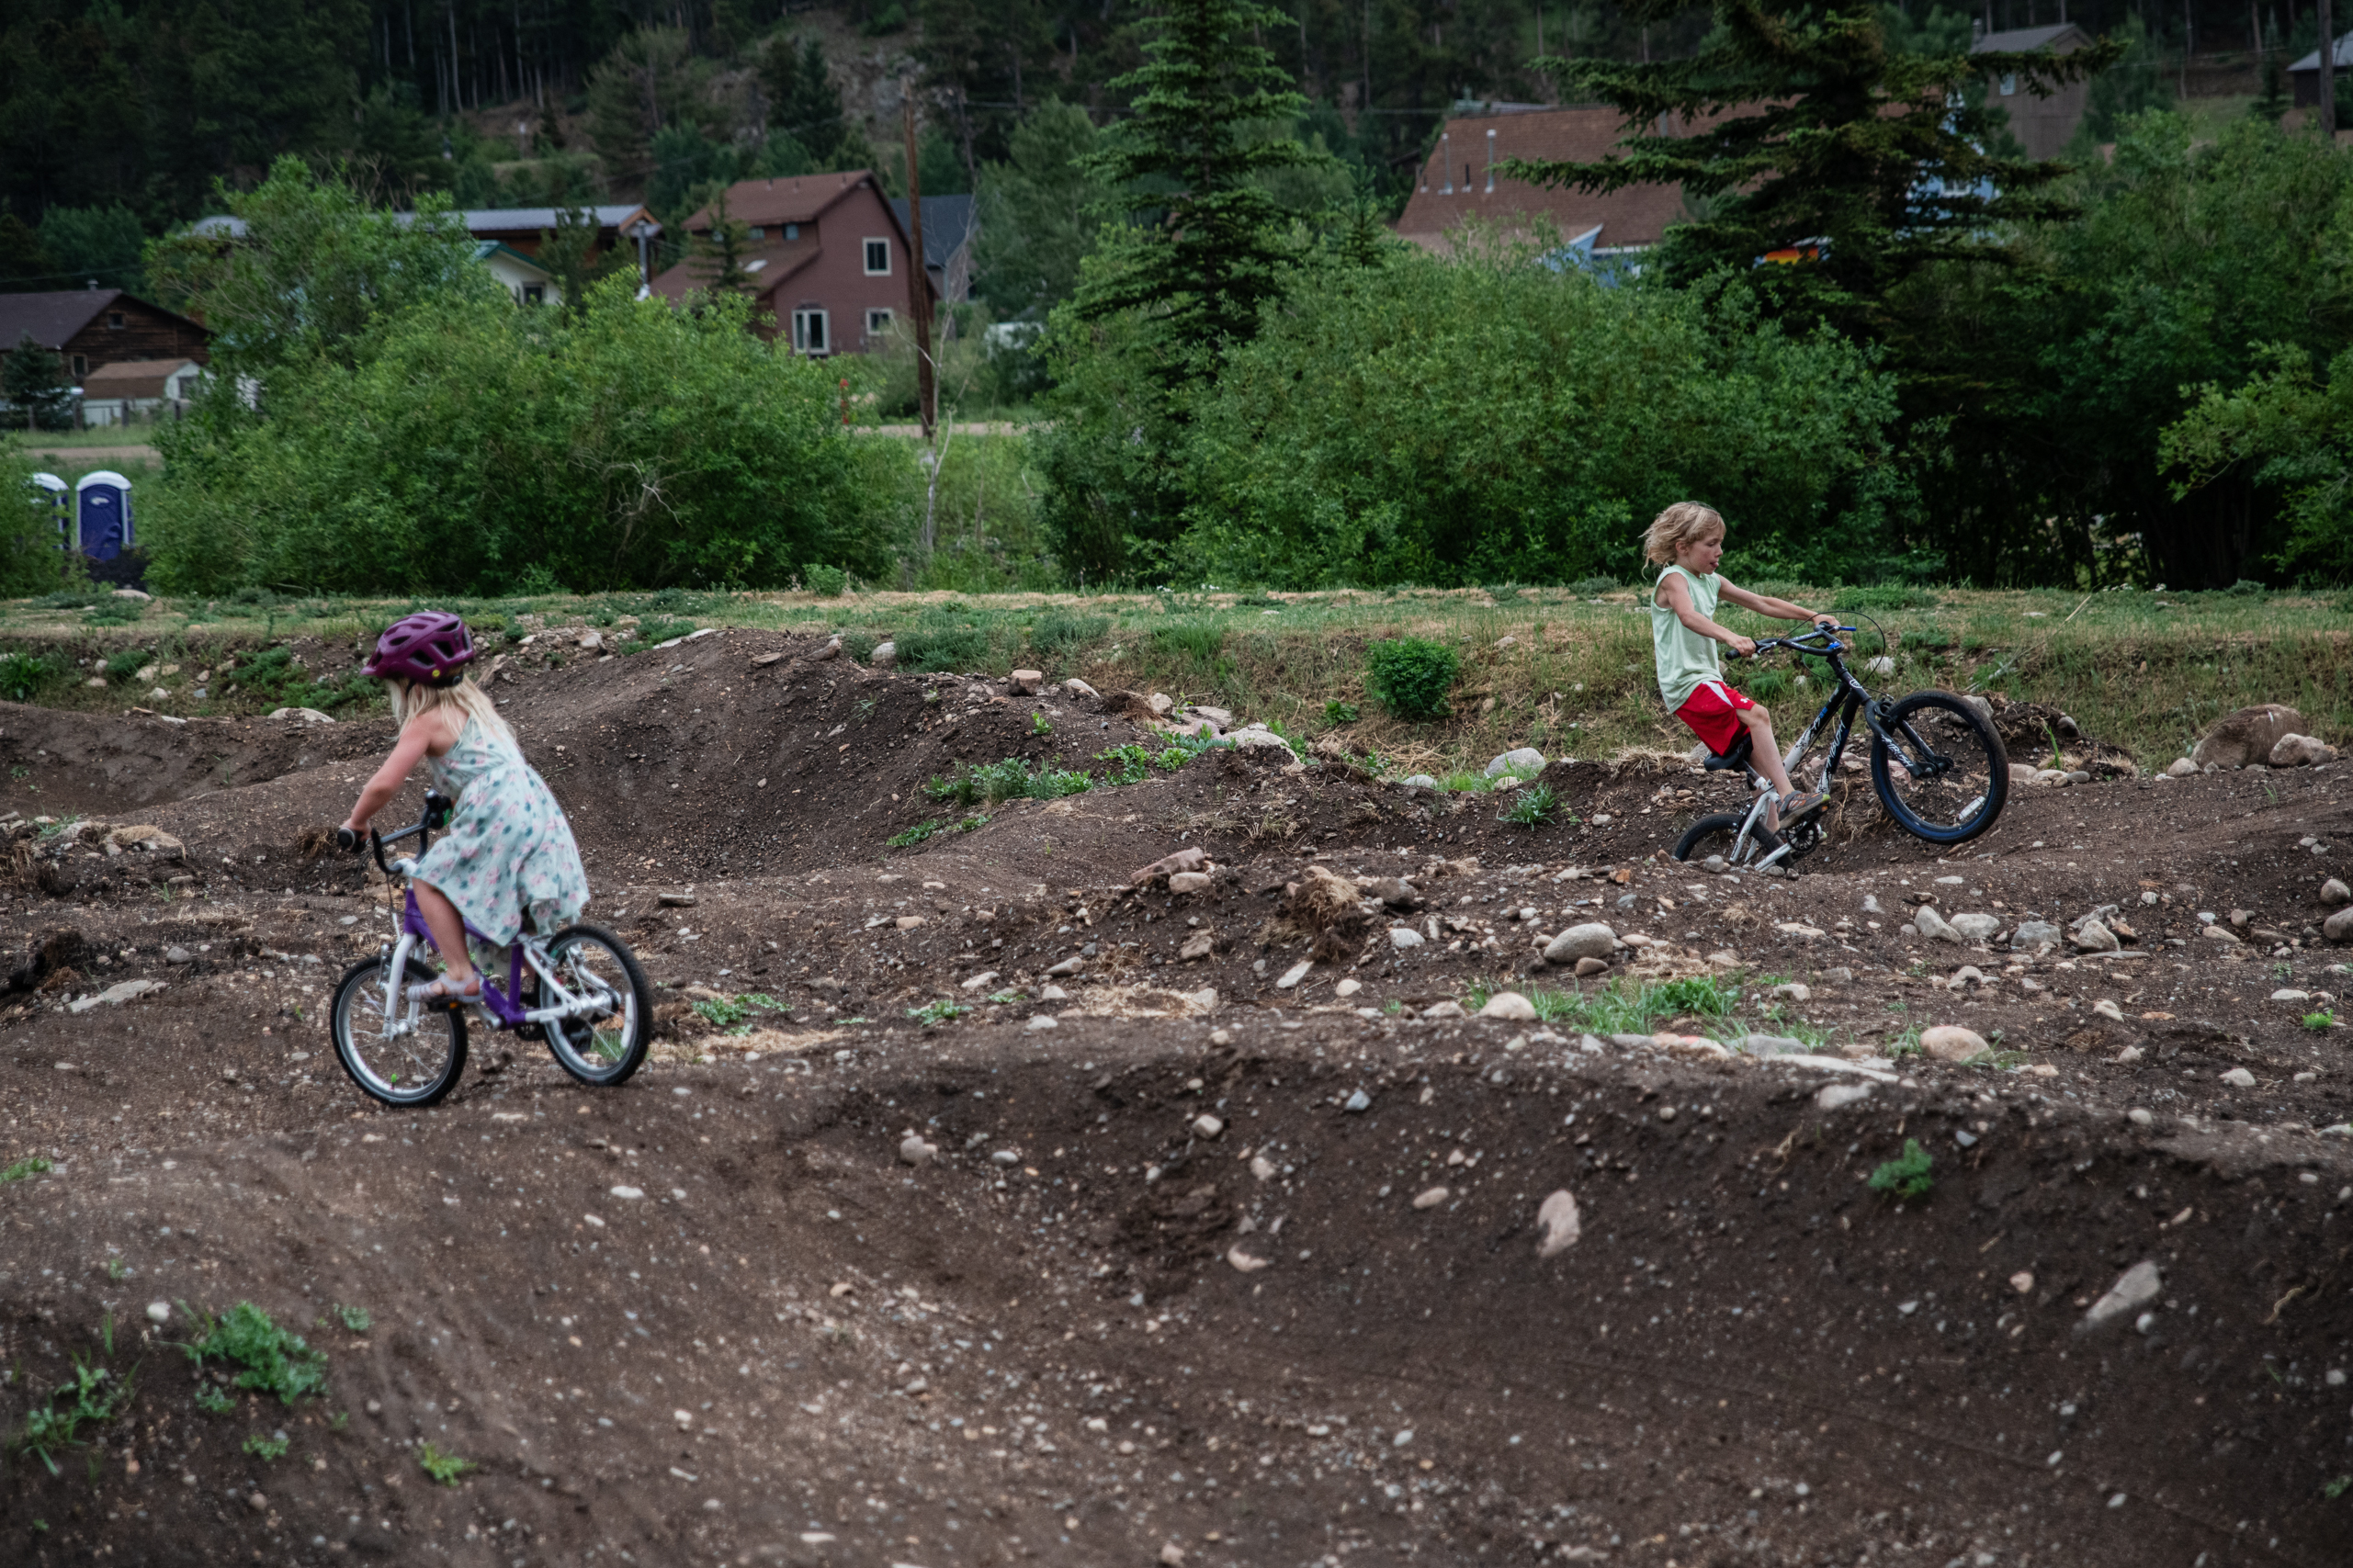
[
  {"x": 1806, "y": 135},
  {"x": 33, "y": 380},
  {"x": 1188, "y": 162},
  {"x": 803, "y": 102},
  {"x": 25, "y": 265},
  {"x": 719, "y": 251},
  {"x": 1038, "y": 214}
]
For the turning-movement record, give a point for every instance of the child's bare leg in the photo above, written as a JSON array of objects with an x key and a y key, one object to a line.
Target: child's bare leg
[
  {"x": 448, "y": 929},
  {"x": 1764, "y": 755}
]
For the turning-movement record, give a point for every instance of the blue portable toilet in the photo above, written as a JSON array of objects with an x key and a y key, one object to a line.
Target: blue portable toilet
[
  {"x": 52, "y": 499},
  {"x": 104, "y": 500}
]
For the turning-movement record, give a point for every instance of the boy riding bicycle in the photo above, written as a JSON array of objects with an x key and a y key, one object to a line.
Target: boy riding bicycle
[{"x": 1686, "y": 541}]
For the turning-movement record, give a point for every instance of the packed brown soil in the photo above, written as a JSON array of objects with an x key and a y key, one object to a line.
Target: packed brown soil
[{"x": 1175, "y": 1282}]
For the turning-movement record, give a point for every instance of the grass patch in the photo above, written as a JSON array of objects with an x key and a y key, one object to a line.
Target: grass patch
[
  {"x": 1906, "y": 1175},
  {"x": 25, "y": 1169},
  {"x": 359, "y": 1320},
  {"x": 1530, "y": 805},
  {"x": 269, "y": 1359},
  {"x": 2316, "y": 1021},
  {"x": 940, "y": 1011},
  {"x": 266, "y": 1448},
  {"x": 1619, "y": 1008}
]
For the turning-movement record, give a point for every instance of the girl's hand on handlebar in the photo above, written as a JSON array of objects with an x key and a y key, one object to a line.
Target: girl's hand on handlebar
[{"x": 348, "y": 840}]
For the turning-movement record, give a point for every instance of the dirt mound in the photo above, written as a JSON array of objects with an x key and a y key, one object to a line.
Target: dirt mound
[{"x": 1216, "y": 1231}]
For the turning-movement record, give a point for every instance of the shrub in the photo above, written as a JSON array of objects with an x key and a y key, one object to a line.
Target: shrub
[
  {"x": 122, "y": 665},
  {"x": 1338, "y": 712},
  {"x": 1411, "y": 675},
  {"x": 825, "y": 581},
  {"x": 1906, "y": 1176}
]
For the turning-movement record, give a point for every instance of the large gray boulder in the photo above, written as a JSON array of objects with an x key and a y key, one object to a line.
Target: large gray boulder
[
  {"x": 1592, "y": 940},
  {"x": 2247, "y": 736}
]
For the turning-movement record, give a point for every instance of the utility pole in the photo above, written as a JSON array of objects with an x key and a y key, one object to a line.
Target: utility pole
[
  {"x": 2327, "y": 72},
  {"x": 918, "y": 282}
]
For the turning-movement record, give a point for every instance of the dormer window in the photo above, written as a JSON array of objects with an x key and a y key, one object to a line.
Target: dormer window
[{"x": 114, "y": 320}]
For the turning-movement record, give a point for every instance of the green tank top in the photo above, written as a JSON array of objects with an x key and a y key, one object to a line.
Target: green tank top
[{"x": 1685, "y": 657}]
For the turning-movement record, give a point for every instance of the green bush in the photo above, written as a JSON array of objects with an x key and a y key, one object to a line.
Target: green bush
[
  {"x": 826, "y": 582},
  {"x": 1338, "y": 712},
  {"x": 1411, "y": 675},
  {"x": 462, "y": 442}
]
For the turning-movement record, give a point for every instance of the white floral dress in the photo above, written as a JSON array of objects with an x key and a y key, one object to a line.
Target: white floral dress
[{"x": 508, "y": 852}]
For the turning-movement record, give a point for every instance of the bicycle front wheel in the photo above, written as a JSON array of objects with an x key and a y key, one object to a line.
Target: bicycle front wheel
[
  {"x": 605, "y": 1046},
  {"x": 404, "y": 1066},
  {"x": 1715, "y": 835},
  {"x": 1948, "y": 775}
]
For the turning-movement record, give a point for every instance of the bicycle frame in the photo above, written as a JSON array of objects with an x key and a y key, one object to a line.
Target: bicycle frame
[
  {"x": 403, "y": 1012},
  {"x": 1849, "y": 698}
]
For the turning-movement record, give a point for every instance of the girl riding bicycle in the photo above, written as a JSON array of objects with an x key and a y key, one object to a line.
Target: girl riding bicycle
[
  {"x": 508, "y": 854},
  {"x": 1687, "y": 540}
]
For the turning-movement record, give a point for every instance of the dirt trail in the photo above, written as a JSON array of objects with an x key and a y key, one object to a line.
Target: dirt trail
[{"x": 715, "y": 1317}]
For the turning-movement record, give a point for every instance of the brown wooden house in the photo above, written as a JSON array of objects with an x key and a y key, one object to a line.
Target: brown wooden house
[
  {"x": 94, "y": 327},
  {"x": 828, "y": 258}
]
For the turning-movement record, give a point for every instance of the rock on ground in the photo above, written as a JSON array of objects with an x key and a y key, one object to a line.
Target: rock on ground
[
  {"x": 2246, "y": 736},
  {"x": 1951, "y": 1042}
]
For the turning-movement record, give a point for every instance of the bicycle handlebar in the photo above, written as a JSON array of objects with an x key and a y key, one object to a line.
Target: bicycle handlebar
[
  {"x": 438, "y": 808},
  {"x": 1799, "y": 644}
]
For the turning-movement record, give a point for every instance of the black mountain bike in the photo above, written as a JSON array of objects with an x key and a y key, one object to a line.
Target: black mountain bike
[{"x": 1937, "y": 762}]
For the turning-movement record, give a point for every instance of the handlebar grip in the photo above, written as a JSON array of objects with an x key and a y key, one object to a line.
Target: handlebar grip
[{"x": 347, "y": 840}]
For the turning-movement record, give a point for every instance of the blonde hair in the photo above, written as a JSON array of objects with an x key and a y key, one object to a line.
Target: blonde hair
[
  {"x": 1684, "y": 521},
  {"x": 410, "y": 699}
]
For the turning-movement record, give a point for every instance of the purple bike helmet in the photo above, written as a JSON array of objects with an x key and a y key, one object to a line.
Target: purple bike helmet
[{"x": 431, "y": 648}]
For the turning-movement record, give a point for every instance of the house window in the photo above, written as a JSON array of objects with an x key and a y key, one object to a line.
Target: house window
[
  {"x": 81, "y": 365},
  {"x": 792, "y": 231},
  {"x": 878, "y": 323},
  {"x": 2009, "y": 84},
  {"x": 755, "y": 233},
  {"x": 535, "y": 294},
  {"x": 878, "y": 258},
  {"x": 114, "y": 320},
  {"x": 809, "y": 331}
]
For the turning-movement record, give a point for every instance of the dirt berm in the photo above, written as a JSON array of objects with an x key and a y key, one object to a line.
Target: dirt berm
[{"x": 1184, "y": 1264}]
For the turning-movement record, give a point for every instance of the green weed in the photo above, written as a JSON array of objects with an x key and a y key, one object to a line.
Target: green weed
[
  {"x": 2316, "y": 1021},
  {"x": 91, "y": 1397},
  {"x": 214, "y": 1401},
  {"x": 910, "y": 837},
  {"x": 1906, "y": 1176},
  {"x": 721, "y": 1010},
  {"x": 934, "y": 1012},
  {"x": 1530, "y": 805},
  {"x": 23, "y": 675},
  {"x": 444, "y": 1467},
  {"x": 1338, "y": 712},
  {"x": 271, "y": 1360},
  {"x": 359, "y": 1320},
  {"x": 1905, "y": 1045},
  {"x": 1038, "y": 726},
  {"x": 116, "y": 1268},
  {"x": 263, "y": 1448},
  {"x": 123, "y": 664},
  {"x": 2333, "y": 1490},
  {"x": 24, "y": 1169}
]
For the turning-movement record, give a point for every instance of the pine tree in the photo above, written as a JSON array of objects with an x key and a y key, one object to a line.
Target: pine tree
[
  {"x": 33, "y": 380},
  {"x": 1804, "y": 133},
  {"x": 803, "y": 102},
  {"x": 719, "y": 251},
  {"x": 1187, "y": 158}
]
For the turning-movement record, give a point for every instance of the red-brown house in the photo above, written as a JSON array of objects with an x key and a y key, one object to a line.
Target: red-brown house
[
  {"x": 828, "y": 259},
  {"x": 1459, "y": 184},
  {"x": 91, "y": 327}
]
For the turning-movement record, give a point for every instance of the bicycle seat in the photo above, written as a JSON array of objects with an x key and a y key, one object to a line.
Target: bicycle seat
[{"x": 1735, "y": 758}]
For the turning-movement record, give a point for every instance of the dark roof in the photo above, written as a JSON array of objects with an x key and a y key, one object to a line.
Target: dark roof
[
  {"x": 947, "y": 224},
  {"x": 798, "y": 199},
  {"x": 2026, "y": 40},
  {"x": 53, "y": 318},
  {"x": 2311, "y": 61}
]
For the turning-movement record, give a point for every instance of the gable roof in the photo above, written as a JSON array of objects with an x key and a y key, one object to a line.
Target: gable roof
[
  {"x": 798, "y": 199},
  {"x": 948, "y": 225},
  {"x": 2344, "y": 57},
  {"x": 1635, "y": 216},
  {"x": 2059, "y": 38},
  {"x": 54, "y": 317},
  {"x": 479, "y": 220},
  {"x": 135, "y": 378}
]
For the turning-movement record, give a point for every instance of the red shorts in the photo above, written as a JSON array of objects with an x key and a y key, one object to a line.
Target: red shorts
[{"x": 1713, "y": 712}]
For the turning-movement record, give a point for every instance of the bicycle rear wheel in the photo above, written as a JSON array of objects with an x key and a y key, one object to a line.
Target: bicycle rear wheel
[
  {"x": 606, "y": 1048},
  {"x": 415, "y": 1068},
  {"x": 1713, "y": 835},
  {"x": 1953, "y": 775}
]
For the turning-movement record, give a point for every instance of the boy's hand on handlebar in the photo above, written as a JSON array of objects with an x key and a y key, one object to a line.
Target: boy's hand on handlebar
[
  {"x": 1746, "y": 647},
  {"x": 1826, "y": 622}
]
